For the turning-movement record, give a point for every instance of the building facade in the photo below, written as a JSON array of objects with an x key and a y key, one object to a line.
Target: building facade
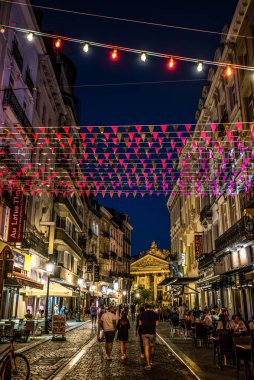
[
  {"x": 148, "y": 271},
  {"x": 215, "y": 223}
]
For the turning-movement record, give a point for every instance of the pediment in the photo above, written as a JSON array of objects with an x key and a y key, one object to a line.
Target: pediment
[{"x": 149, "y": 261}]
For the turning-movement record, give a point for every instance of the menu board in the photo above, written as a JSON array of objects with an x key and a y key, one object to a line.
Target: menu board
[{"x": 58, "y": 324}]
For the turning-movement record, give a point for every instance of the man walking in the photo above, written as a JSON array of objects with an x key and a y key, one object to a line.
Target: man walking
[
  {"x": 108, "y": 324},
  {"x": 148, "y": 321}
]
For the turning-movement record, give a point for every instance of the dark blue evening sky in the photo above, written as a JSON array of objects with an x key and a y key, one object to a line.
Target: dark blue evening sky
[{"x": 139, "y": 104}]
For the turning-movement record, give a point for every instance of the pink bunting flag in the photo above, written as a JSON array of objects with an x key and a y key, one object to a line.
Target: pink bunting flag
[
  {"x": 90, "y": 129},
  {"x": 138, "y": 128},
  {"x": 137, "y": 140},
  {"x": 131, "y": 135},
  {"x": 164, "y": 128},
  {"x": 114, "y": 129},
  {"x": 188, "y": 127},
  {"x": 155, "y": 135},
  {"x": 239, "y": 127},
  {"x": 173, "y": 144},
  {"x": 213, "y": 127}
]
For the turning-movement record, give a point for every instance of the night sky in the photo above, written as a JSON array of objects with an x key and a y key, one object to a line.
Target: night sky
[{"x": 144, "y": 103}]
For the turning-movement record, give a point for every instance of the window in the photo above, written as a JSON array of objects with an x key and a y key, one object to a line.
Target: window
[{"x": 250, "y": 108}]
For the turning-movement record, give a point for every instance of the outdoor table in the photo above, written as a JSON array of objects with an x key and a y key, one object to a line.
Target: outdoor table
[{"x": 245, "y": 347}]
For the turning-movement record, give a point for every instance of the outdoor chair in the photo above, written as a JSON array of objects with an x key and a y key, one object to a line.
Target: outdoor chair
[
  {"x": 242, "y": 357},
  {"x": 226, "y": 350},
  {"x": 200, "y": 335}
]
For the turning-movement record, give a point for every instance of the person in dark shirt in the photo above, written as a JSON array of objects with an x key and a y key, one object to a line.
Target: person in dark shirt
[
  {"x": 123, "y": 326},
  {"x": 139, "y": 331},
  {"x": 148, "y": 321}
]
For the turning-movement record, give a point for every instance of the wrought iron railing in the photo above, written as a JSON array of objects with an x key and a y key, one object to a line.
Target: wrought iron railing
[
  {"x": 241, "y": 230},
  {"x": 31, "y": 240}
]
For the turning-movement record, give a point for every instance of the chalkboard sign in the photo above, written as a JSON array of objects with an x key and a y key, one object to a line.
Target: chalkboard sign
[
  {"x": 96, "y": 273},
  {"x": 58, "y": 324},
  {"x": 89, "y": 267}
]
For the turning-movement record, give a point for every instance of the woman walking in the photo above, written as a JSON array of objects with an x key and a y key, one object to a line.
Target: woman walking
[
  {"x": 139, "y": 331},
  {"x": 123, "y": 326}
]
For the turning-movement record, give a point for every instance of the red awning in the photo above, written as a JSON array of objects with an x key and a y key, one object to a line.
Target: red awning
[{"x": 26, "y": 281}]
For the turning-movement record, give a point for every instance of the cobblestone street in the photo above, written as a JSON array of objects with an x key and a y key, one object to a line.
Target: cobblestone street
[{"x": 54, "y": 359}]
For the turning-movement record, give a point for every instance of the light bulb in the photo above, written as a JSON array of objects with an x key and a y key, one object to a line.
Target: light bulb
[
  {"x": 143, "y": 57},
  {"x": 2, "y": 29},
  {"x": 200, "y": 67},
  {"x": 58, "y": 43},
  {"x": 86, "y": 47},
  {"x": 228, "y": 71},
  {"x": 114, "y": 55},
  {"x": 30, "y": 37},
  {"x": 171, "y": 63}
]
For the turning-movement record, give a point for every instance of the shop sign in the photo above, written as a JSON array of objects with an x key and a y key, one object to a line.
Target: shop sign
[
  {"x": 89, "y": 267},
  {"x": 16, "y": 221},
  {"x": 19, "y": 259},
  {"x": 198, "y": 245},
  {"x": 183, "y": 259},
  {"x": 58, "y": 324},
  {"x": 96, "y": 273}
]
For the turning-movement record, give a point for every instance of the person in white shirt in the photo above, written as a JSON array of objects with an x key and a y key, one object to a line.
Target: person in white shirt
[
  {"x": 237, "y": 325},
  {"x": 208, "y": 320},
  {"x": 108, "y": 324}
]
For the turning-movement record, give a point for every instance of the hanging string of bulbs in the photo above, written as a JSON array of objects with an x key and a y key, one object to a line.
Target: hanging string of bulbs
[{"x": 115, "y": 55}]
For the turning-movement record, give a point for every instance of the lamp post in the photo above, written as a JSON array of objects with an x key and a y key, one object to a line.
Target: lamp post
[
  {"x": 49, "y": 270},
  {"x": 80, "y": 283}
]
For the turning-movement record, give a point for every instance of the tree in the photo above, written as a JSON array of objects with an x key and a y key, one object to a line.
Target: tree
[{"x": 142, "y": 295}]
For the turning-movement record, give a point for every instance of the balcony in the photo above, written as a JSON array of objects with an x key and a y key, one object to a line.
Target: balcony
[
  {"x": 105, "y": 256},
  {"x": 11, "y": 101},
  {"x": 113, "y": 255},
  {"x": 32, "y": 241},
  {"x": 17, "y": 55},
  {"x": 64, "y": 201},
  {"x": 240, "y": 232},
  {"x": 62, "y": 237},
  {"x": 66, "y": 276},
  {"x": 205, "y": 260},
  {"x": 206, "y": 213}
]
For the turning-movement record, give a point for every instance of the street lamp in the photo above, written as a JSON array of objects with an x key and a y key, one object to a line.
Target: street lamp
[
  {"x": 49, "y": 270},
  {"x": 80, "y": 283},
  {"x": 124, "y": 295},
  {"x": 93, "y": 287}
]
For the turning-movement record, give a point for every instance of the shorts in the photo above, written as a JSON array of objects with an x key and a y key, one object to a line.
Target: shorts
[
  {"x": 94, "y": 318},
  {"x": 109, "y": 336},
  {"x": 149, "y": 339}
]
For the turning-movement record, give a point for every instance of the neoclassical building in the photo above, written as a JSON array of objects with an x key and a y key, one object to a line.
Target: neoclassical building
[{"x": 150, "y": 269}]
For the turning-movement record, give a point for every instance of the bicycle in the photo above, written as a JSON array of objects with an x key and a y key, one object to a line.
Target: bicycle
[{"x": 13, "y": 365}]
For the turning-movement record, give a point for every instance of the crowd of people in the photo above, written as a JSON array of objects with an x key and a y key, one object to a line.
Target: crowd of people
[{"x": 111, "y": 321}]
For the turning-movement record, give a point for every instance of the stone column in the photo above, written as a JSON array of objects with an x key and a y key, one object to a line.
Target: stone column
[{"x": 155, "y": 287}]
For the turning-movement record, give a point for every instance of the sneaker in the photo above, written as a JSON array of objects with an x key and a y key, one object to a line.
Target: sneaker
[
  {"x": 148, "y": 367},
  {"x": 142, "y": 356}
]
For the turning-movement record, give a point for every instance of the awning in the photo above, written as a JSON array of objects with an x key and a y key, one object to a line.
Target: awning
[
  {"x": 55, "y": 290},
  {"x": 177, "y": 281},
  {"x": 19, "y": 280}
]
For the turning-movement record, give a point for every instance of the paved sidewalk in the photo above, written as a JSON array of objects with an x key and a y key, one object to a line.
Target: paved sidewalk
[
  {"x": 33, "y": 341},
  {"x": 200, "y": 359}
]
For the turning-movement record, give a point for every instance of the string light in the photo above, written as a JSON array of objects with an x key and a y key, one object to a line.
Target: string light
[
  {"x": 114, "y": 55},
  {"x": 171, "y": 63},
  {"x": 143, "y": 57},
  {"x": 30, "y": 37},
  {"x": 58, "y": 43},
  {"x": 2, "y": 29},
  {"x": 200, "y": 67},
  {"x": 86, "y": 47},
  {"x": 228, "y": 71}
]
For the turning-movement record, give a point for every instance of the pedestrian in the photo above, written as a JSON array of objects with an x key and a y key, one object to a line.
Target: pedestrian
[
  {"x": 133, "y": 308},
  {"x": 123, "y": 326},
  {"x": 62, "y": 310},
  {"x": 93, "y": 312},
  {"x": 100, "y": 314},
  {"x": 108, "y": 324},
  {"x": 139, "y": 331},
  {"x": 56, "y": 309},
  {"x": 148, "y": 320}
]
